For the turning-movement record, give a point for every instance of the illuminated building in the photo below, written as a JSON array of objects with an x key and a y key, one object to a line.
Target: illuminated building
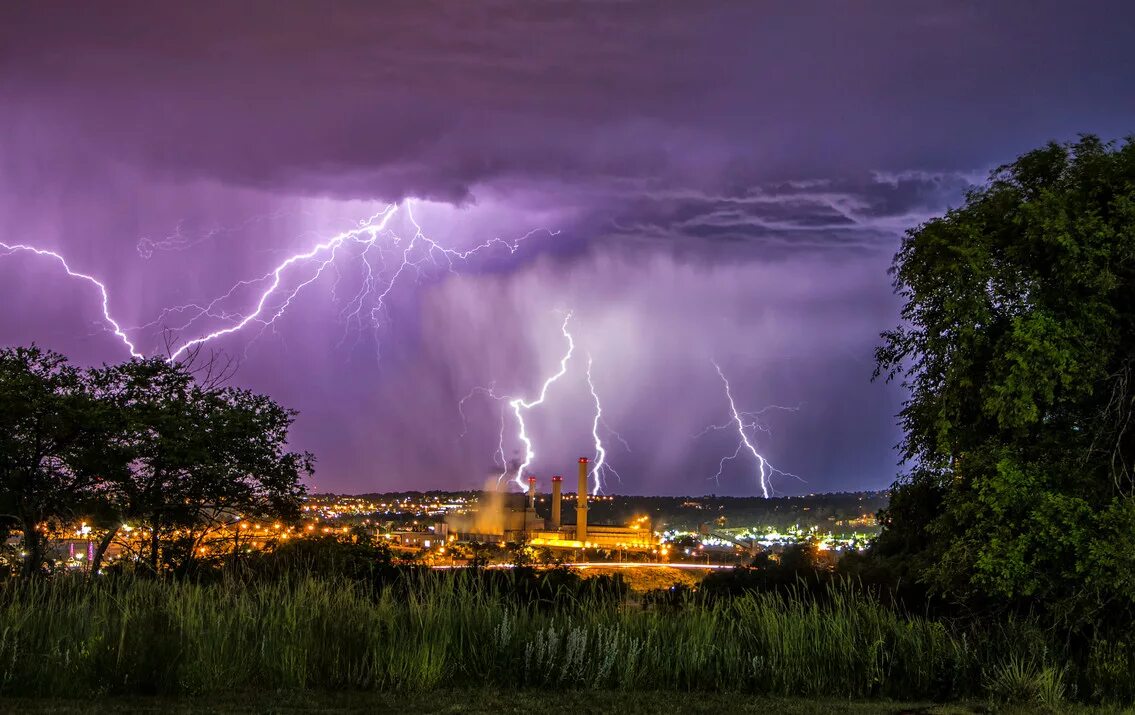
[{"x": 495, "y": 523}]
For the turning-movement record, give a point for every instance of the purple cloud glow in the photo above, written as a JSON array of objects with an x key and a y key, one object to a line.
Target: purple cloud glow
[{"x": 728, "y": 183}]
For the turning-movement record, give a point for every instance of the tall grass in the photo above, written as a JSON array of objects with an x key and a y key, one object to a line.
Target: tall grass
[{"x": 76, "y": 639}]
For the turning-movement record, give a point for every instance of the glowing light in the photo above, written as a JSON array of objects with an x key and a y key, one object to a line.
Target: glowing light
[
  {"x": 520, "y": 406},
  {"x": 367, "y": 228}
]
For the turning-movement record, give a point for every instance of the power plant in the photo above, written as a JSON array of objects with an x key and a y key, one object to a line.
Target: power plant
[{"x": 495, "y": 522}]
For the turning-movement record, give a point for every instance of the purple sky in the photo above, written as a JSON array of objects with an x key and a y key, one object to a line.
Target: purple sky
[{"x": 728, "y": 181}]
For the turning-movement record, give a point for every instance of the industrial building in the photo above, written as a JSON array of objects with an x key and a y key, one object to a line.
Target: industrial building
[{"x": 495, "y": 522}]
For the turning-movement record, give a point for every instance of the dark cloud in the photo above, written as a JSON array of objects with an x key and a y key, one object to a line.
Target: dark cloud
[
  {"x": 729, "y": 181},
  {"x": 433, "y": 98},
  {"x": 863, "y": 213}
]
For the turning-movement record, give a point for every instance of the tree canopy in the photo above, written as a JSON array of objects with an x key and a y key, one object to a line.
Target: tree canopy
[
  {"x": 139, "y": 445},
  {"x": 47, "y": 423},
  {"x": 1018, "y": 350}
]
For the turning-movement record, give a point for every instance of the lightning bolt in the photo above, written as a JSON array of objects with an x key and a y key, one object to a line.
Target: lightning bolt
[
  {"x": 182, "y": 239},
  {"x": 412, "y": 255},
  {"x": 743, "y": 421},
  {"x": 520, "y": 406},
  {"x": 275, "y": 290},
  {"x": 367, "y": 231},
  {"x": 11, "y": 248},
  {"x": 600, "y": 451}
]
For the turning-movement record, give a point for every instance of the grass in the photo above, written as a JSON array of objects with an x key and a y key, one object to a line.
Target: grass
[
  {"x": 71, "y": 639},
  {"x": 488, "y": 702}
]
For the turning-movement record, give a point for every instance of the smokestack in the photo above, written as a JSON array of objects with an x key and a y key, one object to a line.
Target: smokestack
[
  {"x": 581, "y": 503},
  {"x": 557, "y": 485},
  {"x": 532, "y": 493}
]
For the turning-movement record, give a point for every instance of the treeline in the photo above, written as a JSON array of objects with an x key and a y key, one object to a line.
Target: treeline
[
  {"x": 781, "y": 513},
  {"x": 1017, "y": 349},
  {"x": 160, "y": 448}
]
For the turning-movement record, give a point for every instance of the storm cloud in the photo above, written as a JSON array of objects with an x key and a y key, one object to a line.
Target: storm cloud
[{"x": 720, "y": 182}]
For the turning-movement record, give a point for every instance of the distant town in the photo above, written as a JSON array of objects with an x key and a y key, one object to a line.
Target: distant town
[
  {"x": 459, "y": 528},
  {"x": 679, "y": 528}
]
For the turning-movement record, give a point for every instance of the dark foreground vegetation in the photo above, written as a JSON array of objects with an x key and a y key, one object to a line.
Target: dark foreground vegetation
[
  {"x": 483, "y": 701},
  {"x": 1005, "y": 569},
  {"x": 331, "y": 614},
  {"x": 424, "y": 630}
]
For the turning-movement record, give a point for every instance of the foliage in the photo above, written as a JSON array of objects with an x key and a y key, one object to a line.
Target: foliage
[
  {"x": 796, "y": 567},
  {"x": 1018, "y": 349},
  {"x": 460, "y": 629},
  {"x": 47, "y": 427},
  {"x": 195, "y": 457},
  {"x": 144, "y": 443},
  {"x": 483, "y": 701},
  {"x": 1022, "y": 681},
  {"x": 327, "y": 557}
]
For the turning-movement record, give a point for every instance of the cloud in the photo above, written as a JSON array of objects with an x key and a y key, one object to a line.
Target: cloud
[
  {"x": 790, "y": 331},
  {"x": 864, "y": 213},
  {"x": 436, "y": 100},
  {"x": 728, "y": 179}
]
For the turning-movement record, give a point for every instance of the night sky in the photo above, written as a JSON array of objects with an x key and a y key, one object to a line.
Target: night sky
[{"x": 725, "y": 182}]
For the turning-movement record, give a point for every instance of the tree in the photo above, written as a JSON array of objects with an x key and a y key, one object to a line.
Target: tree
[
  {"x": 1018, "y": 349},
  {"x": 47, "y": 424},
  {"x": 193, "y": 458}
]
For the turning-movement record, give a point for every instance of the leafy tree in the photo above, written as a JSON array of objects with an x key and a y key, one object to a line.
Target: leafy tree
[
  {"x": 521, "y": 554},
  {"x": 684, "y": 547},
  {"x": 1018, "y": 348},
  {"x": 192, "y": 458},
  {"x": 143, "y": 442},
  {"x": 334, "y": 556},
  {"x": 47, "y": 424}
]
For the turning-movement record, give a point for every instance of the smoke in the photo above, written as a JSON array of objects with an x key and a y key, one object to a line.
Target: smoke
[{"x": 489, "y": 518}]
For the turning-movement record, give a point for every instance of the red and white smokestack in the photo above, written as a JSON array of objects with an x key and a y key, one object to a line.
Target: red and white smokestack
[
  {"x": 532, "y": 493},
  {"x": 581, "y": 503},
  {"x": 557, "y": 491}
]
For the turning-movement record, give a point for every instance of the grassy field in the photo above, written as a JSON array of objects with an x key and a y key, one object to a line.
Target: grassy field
[
  {"x": 482, "y": 702},
  {"x": 77, "y": 640}
]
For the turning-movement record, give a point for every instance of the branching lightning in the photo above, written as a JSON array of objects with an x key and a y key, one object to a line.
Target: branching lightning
[
  {"x": 744, "y": 421},
  {"x": 385, "y": 258},
  {"x": 367, "y": 231},
  {"x": 183, "y": 238},
  {"x": 519, "y": 406},
  {"x": 413, "y": 253},
  {"x": 114, "y": 326},
  {"x": 372, "y": 239}
]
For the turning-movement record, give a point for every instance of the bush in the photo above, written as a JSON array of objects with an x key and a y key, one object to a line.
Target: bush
[{"x": 1022, "y": 681}]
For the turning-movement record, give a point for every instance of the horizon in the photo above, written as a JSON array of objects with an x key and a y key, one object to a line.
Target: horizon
[{"x": 608, "y": 495}]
